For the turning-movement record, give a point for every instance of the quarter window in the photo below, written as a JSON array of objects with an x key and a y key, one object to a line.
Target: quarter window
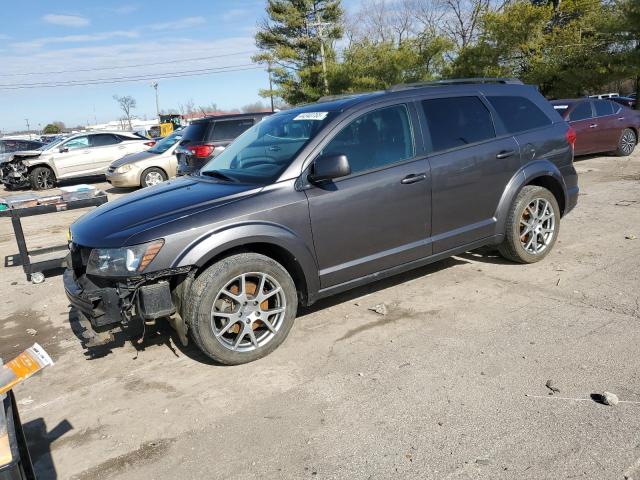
[
  {"x": 603, "y": 108},
  {"x": 455, "y": 122},
  {"x": 230, "y": 129},
  {"x": 581, "y": 112},
  {"x": 375, "y": 139},
  {"x": 518, "y": 114}
]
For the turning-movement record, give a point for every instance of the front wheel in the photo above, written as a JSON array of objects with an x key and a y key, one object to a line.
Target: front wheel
[
  {"x": 152, "y": 176},
  {"x": 241, "y": 308},
  {"x": 42, "y": 178},
  {"x": 532, "y": 227},
  {"x": 626, "y": 143}
]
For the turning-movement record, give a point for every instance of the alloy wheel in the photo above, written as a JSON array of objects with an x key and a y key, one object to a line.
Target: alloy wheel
[
  {"x": 537, "y": 226},
  {"x": 627, "y": 142},
  {"x": 153, "y": 178},
  {"x": 248, "y": 312},
  {"x": 44, "y": 179}
]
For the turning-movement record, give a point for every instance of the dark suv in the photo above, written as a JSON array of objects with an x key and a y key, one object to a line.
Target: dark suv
[
  {"x": 205, "y": 138},
  {"x": 323, "y": 198}
]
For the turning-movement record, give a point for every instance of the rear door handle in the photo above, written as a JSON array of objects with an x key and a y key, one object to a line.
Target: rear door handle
[
  {"x": 620, "y": 118},
  {"x": 505, "y": 154},
  {"x": 593, "y": 125},
  {"x": 274, "y": 148},
  {"x": 413, "y": 178}
]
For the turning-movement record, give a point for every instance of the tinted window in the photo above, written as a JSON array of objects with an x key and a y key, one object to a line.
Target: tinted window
[
  {"x": 581, "y": 112},
  {"x": 103, "y": 139},
  {"x": 78, "y": 142},
  {"x": 375, "y": 139},
  {"x": 603, "y": 107},
  {"x": 194, "y": 133},
  {"x": 518, "y": 113},
  {"x": 454, "y": 122},
  {"x": 230, "y": 129}
]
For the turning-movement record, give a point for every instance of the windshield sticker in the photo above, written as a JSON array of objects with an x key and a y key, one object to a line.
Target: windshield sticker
[
  {"x": 561, "y": 107},
  {"x": 311, "y": 116}
]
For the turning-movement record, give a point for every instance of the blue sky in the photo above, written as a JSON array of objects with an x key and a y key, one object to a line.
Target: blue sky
[{"x": 83, "y": 41}]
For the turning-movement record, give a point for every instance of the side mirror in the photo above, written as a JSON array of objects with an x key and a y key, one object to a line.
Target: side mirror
[
  {"x": 328, "y": 167},
  {"x": 63, "y": 149}
]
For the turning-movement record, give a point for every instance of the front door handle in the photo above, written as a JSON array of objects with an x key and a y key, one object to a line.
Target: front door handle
[
  {"x": 413, "y": 178},
  {"x": 505, "y": 154},
  {"x": 593, "y": 125},
  {"x": 274, "y": 148},
  {"x": 620, "y": 118}
]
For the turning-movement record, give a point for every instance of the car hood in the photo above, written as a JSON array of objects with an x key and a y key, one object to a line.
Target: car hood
[
  {"x": 133, "y": 157},
  {"x": 114, "y": 223}
]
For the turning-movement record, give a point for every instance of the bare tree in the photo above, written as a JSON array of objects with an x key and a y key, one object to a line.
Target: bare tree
[
  {"x": 127, "y": 103},
  {"x": 254, "y": 107}
]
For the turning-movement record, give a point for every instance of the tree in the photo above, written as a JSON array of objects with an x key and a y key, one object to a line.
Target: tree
[
  {"x": 291, "y": 40},
  {"x": 127, "y": 103},
  {"x": 53, "y": 128},
  {"x": 254, "y": 107}
]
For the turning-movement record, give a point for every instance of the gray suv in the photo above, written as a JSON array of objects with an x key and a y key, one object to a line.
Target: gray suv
[{"x": 323, "y": 198}]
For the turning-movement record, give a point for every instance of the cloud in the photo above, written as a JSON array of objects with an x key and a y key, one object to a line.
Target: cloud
[
  {"x": 179, "y": 24},
  {"x": 4, "y": 36},
  {"x": 96, "y": 37},
  {"x": 66, "y": 20},
  {"x": 234, "y": 13},
  {"x": 126, "y": 9}
]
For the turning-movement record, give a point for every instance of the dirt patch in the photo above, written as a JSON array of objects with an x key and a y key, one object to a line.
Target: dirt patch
[
  {"x": 148, "y": 451},
  {"x": 144, "y": 386},
  {"x": 14, "y": 337}
]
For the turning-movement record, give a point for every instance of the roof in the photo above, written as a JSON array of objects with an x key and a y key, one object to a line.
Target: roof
[{"x": 230, "y": 116}]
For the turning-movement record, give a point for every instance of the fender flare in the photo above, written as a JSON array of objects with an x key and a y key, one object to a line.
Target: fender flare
[
  {"x": 215, "y": 242},
  {"x": 523, "y": 177}
]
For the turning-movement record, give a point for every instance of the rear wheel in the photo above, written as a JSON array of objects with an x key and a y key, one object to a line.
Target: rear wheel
[
  {"x": 241, "y": 308},
  {"x": 532, "y": 227},
  {"x": 152, "y": 176},
  {"x": 626, "y": 143},
  {"x": 42, "y": 178}
]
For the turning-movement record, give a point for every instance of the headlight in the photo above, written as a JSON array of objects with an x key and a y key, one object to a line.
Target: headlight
[
  {"x": 121, "y": 262},
  {"x": 124, "y": 168}
]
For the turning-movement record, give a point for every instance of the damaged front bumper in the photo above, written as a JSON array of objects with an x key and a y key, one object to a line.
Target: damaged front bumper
[
  {"x": 108, "y": 303},
  {"x": 14, "y": 173}
]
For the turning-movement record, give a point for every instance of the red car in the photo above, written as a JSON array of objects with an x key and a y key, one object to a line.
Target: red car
[{"x": 600, "y": 125}]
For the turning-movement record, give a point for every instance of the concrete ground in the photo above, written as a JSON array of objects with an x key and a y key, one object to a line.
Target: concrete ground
[{"x": 450, "y": 384}]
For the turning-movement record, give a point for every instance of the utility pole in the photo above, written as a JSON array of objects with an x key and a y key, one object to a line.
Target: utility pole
[
  {"x": 27, "y": 120},
  {"x": 319, "y": 28},
  {"x": 155, "y": 86}
]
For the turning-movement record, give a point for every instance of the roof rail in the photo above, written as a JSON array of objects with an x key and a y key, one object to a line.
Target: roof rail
[
  {"x": 330, "y": 98},
  {"x": 455, "y": 81}
]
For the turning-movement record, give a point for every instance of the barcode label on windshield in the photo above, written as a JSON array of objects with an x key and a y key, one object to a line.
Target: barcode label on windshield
[{"x": 311, "y": 116}]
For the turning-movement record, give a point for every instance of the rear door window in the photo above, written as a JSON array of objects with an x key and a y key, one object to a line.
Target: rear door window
[
  {"x": 230, "y": 129},
  {"x": 581, "y": 112},
  {"x": 603, "y": 108},
  {"x": 103, "y": 140},
  {"x": 518, "y": 114},
  {"x": 456, "y": 122}
]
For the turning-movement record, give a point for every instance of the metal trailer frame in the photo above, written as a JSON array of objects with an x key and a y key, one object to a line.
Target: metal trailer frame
[{"x": 33, "y": 267}]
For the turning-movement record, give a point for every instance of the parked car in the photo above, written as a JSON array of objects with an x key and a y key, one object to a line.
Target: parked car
[
  {"x": 626, "y": 101},
  {"x": 10, "y": 146},
  {"x": 600, "y": 125},
  {"x": 322, "y": 198},
  {"x": 205, "y": 138},
  {"x": 80, "y": 155},
  {"x": 144, "y": 169}
]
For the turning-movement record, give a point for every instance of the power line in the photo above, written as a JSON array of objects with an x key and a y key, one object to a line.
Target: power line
[
  {"x": 164, "y": 62},
  {"x": 193, "y": 73}
]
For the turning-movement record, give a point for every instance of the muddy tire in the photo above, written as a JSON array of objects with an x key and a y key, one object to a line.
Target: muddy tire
[
  {"x": 152, "y": 176},
  {"x": 532, "y": 227},
  {"x": 241, "y": 308},
  {"x": 42, "y": 178},
  {"x": 626, "y": 143}
]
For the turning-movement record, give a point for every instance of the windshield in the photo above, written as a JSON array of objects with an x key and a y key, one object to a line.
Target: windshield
[
  {"x": 166, "y": 143},
  {"x": 263, "y": 152},
  {"x": 51, "y": 145}
]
